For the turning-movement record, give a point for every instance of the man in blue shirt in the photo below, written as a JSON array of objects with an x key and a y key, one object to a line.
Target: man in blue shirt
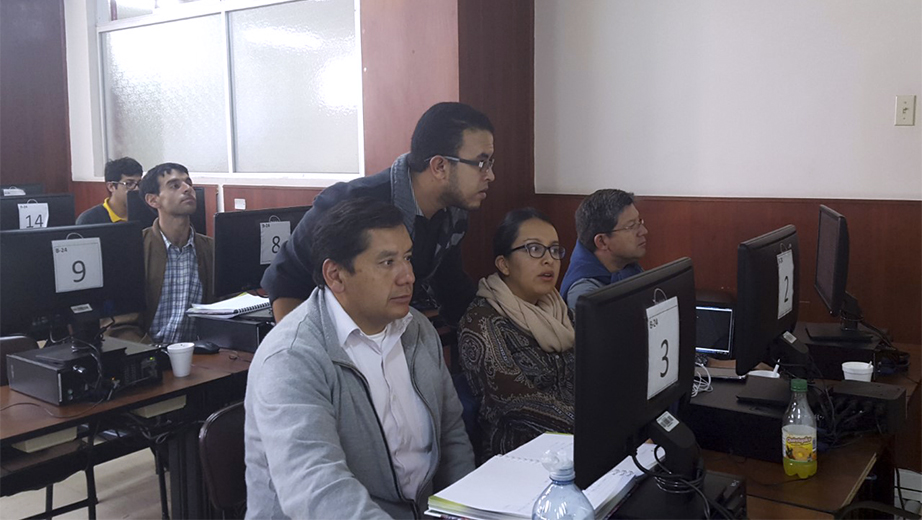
[{"x": 611, "y": 239}]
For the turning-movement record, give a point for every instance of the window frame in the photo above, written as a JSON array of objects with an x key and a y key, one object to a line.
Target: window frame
[{"x": 202, "y": 8}]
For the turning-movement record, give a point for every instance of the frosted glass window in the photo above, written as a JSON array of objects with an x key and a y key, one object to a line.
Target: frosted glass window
[
  {"x": 296, "y": 83},
  {"x": 164, "y": 94},
  {"x": 131, "y": 8}
]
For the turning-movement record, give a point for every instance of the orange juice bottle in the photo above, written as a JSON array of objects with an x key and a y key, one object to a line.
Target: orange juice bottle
[{"x": 798, "y": 433}]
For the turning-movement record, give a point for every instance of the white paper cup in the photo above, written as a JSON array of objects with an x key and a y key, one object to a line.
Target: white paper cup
[
  {"x": 857, "y": 370},
  {"x": 765, "y": 373},
  {"x": 181, "y": 358}
]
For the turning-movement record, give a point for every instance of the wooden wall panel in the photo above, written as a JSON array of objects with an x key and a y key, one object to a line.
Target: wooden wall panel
[
  {"x": 409, "y": 63},
  {"x": 34, "y": 140},
  {"x": 885, "y": 271},
  {"x": 496, "y": 55},
  {"x": 89, "y": 194},
  {"x": 263, "y": 197}
]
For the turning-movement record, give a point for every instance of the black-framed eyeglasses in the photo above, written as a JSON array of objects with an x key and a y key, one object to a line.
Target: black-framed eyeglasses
[
  {"x": 536, "y": 250},
  {"x": 635, "y": 226},
  {"x": 130, "y": 185},
  {"x": 484, "y": 165}
]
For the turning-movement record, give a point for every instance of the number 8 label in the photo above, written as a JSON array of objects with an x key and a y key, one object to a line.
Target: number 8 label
[
  {"x": 662, "y": 346},
  {"x": 77, "y": 264},
  {"x": 271, "y": 237}
]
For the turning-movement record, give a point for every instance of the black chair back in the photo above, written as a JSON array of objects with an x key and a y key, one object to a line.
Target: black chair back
[{"x": 221, "y": 450}]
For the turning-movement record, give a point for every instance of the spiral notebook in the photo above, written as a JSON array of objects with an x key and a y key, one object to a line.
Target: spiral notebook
[
  {"x": 506, "y": 486},
  {"x": 230, "y": 307}
]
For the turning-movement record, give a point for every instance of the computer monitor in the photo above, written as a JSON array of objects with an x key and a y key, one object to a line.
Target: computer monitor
[
  {"x": 36, "y": 211},
  {"x": 11, "y": 190},
  {"x": 767, "y": 285},
  {"x": 629, "y": 370},
  {"x": 831, "y": 281},
  {"x": 140, "y": 211},
  {"x": 40, "y": 301},
  {"x": 245, "y": 244},
  {"x": 714, "y": 334}
]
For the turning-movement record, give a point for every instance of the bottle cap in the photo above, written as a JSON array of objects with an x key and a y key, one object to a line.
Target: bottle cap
[
  {"x": 798, "y": 385},
  {"x": 559, "y": 464}
]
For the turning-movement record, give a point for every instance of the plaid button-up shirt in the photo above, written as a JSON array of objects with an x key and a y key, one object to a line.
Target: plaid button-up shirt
[{"x": 181, "y": 288}]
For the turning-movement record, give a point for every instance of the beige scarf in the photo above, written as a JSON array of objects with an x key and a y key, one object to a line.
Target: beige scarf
[{"x": 547, "y": 321}]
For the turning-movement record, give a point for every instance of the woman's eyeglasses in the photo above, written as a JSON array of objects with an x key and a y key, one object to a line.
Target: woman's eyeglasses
[{"x": 536, "y": 250}]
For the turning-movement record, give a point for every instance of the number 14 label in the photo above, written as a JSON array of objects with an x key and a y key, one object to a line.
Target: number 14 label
[
  {"x": 77, "y": 264},
  {"x": 662, "y": 346}
]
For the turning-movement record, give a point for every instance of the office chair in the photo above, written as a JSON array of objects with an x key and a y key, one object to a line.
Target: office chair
[
  {"x": 45, "y": 468},
  {"x": 221, "y": 450}
]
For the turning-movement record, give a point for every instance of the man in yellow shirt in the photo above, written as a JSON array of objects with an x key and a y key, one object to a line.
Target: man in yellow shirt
[{"x": 122, "y": 176}]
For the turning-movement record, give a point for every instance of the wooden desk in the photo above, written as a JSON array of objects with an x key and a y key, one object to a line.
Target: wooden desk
[
  {"x": 211, "y": 374},
  {"x": 841, "y": 471}
]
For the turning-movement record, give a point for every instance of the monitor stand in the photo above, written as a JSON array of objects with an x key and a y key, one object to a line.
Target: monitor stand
[
  {"x": 648, "y": 501},
  {"x": 838, "y": 333}
]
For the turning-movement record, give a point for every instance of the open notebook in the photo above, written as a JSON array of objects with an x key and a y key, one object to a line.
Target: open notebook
[
  {"x": 506, "y": 486},
  {"x": 230, "y": 307}
]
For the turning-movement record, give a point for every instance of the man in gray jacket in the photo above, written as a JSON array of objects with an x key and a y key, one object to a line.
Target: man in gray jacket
[{"x": 350, "y": 410}]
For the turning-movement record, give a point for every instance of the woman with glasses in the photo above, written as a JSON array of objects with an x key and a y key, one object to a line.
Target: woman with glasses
[{"x": 516, "y": 339}]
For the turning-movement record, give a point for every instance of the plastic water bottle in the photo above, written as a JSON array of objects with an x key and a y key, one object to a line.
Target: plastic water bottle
[
  {"x": 798, "y": 433},
  {"x": 561, "y": 499}
]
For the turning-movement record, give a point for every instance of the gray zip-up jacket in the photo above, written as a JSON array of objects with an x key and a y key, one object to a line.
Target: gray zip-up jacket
[{"x": 314, "y": 445}]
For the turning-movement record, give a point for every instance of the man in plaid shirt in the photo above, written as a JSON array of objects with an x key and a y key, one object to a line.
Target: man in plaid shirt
[{"x": 178, "y": 261}]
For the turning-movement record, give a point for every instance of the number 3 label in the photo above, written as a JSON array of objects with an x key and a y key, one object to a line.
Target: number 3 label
[
  {"x": 77, "y": 264},
  {"x": 662, "y": 346},
  {"x": 785, "y": 283},
  {"x": 33, "y": 215},
  {"x": 271, "y": 237}
]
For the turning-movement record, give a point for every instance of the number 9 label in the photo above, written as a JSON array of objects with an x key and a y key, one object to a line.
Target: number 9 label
[
  {"x": 77, "y": 264},
  {"x": 662, "y": 346}
]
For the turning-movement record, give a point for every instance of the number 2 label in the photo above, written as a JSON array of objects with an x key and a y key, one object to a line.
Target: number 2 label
[
  {"x": 271, "y": 237},
  {"x": 785, "y": 283},
  {"x": 662, "y": 346},
  {"x": 77, "y": 264}
]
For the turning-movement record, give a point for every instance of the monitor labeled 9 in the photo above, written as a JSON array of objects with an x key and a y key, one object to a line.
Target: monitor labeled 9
[{"x": 52, "y": 277}]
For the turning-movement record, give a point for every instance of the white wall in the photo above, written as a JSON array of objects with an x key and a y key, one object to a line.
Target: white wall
[{"x": 758, "y": 98}]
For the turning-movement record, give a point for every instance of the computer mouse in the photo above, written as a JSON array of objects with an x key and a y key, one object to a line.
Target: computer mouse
[{"x": 206, "y": 347}]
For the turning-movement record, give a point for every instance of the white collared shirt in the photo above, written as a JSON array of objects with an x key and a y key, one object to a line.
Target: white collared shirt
[{"x": 403, "y": 415}]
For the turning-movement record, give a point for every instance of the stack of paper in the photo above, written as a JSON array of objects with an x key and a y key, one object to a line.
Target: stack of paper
[
  {"x": 507, "y": 486},
  {"x": 230, "y": 307}
]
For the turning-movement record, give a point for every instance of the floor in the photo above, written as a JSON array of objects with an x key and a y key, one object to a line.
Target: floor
[{"x": 126, "y": 488}]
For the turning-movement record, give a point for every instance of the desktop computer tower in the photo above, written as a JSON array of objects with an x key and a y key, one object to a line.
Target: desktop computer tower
[
  {"x": 243, "y": 333},
  {"x": 721, "y": 423},
  {"x": 55, "y": 374}
]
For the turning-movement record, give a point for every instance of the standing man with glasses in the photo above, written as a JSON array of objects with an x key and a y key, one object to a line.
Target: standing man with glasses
[
  {"x": 610, "y": 239},
  {"x": 122, "y": 175},
  {"x": 446, "y": 174}
]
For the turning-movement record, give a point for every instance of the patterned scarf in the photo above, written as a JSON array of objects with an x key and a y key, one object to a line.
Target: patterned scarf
[{"x": 547, "y": 321}]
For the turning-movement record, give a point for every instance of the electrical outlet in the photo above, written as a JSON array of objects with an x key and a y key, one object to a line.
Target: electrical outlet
[
  {"x": 240, "y": 204},
  {"x": 905, "y": 111}
]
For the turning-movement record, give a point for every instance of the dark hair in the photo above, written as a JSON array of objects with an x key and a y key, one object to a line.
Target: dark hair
[
  {"x": 340, "y": 233},
  {"x": 150, "y": 183},
  {"x": 440, "y": 131},
  {"x": 124, "y": 167},
  {"x": 508, "y": 230},
  {"x": 599, "y": 213}
]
